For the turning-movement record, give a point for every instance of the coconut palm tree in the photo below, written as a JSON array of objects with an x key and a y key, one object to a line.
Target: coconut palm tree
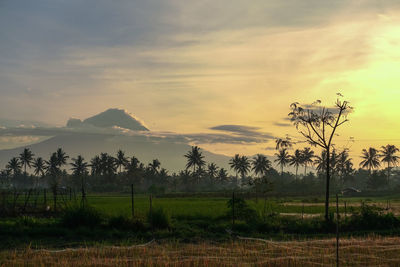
[
  {"x": 79, "y": 166},
  {"x": 222, "y": 175},
  {"x": 39, "y": 168},
  {"x": 212, "y": 170},
  {"x": 61, "y": 157},
  {"x": 26, "y": 158},
  {"x": 344, "y": 166},
  {"x": 234, "y": 163},
  {"x": 154, "y": 166},
  {"x": 14, "y": 165},
  {"x": 244, "y": 166},
  {"x": 388, "y": 156},
  {"x": 308, "y": 156},
  {"x": 296, "y": 160},
  {"x": 95, "y": 165},
  {"x": 194, "y": 159},
  {"x": 283, "y": 143},
  {"x": 320, "y": 162},
  {"x": 282, "y": 158},
  {"x": 132, "y": 165},
  {"x": 260, "y": 164},
  {"x": 370, "y": 159},
  {"x": 121, "y": 160}
]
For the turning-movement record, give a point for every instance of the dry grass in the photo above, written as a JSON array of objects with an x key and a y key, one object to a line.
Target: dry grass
[{"x": 372, "y": 251}]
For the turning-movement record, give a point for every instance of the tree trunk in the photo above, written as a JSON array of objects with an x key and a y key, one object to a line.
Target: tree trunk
[{"x": 327, "y": 185}]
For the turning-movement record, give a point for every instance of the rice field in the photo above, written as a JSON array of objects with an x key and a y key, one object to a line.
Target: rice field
[{"x": 370, "y": 251}]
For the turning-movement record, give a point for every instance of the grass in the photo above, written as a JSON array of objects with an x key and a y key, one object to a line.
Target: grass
[{"x": 370, "y": 251}]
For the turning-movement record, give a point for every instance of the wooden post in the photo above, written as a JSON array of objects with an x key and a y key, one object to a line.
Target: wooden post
[
  {"x": 233, "y": 209},
  {"x": 133, "y": 201},
  {"x": 345, "y": 209},
  {"x": 337, "y": 230},
  {"x": 302, "y": 212}
]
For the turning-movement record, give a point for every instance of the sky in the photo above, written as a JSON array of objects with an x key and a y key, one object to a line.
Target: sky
[{"x": 203, "y": 66}]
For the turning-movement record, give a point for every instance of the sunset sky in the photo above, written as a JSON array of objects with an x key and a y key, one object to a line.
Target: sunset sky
[{"x": 189, "y": 66}]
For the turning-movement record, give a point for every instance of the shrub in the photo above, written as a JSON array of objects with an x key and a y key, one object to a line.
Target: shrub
[
  {"x": 78, "y": 215},
  {"x": 125, "y": 223},
  {"x": 159, "y": 218},
  {"x": 242, "y": 210}
]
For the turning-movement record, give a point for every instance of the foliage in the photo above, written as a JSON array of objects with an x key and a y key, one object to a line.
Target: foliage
[
  {"x": 159, "y": 218},
  {"x": 81, "y": 216}
]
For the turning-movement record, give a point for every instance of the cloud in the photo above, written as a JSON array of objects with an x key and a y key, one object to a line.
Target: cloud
[
  {"x": 238, "y": 129},
  {"x": 282, "y": 124}
]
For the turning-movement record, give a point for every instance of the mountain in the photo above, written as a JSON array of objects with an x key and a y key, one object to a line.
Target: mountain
[
  {"x": 170, "y": 154},
  {"x": 110, "y": 118}
]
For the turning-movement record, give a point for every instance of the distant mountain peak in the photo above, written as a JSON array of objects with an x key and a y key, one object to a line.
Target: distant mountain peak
[{"x": 110, "y": 118}]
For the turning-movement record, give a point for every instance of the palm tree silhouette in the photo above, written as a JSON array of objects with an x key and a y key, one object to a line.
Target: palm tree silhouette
[
  {"x": 14, "y": 165},
  {"x": 282, "y": 158},
  {"x": 320, "y": 162},
  {"x": 39, "y": 168},
  {"x": 296, "y": 160},
  {"x": 212, "y": 170},
  {"x": 80, "y": 169},
  {"x": 26, "y": 158},
  {"x": 61, "y": 157},
  {"x": 194, "y": 158},
  {"x": 133, "y": 165},
  {"x": 244, "y": 167},
  {"x": 308, "y": 156},
  {"x": 370, "y": 159},
  {"x": 154, "y": 166},
  {"x": 260, "y": 164},
  {"x": 344, "y": 165},
  {"x": 234, "y": 163},
  {"x": 388, "y": 155},
  {"x": 121, "y": 160},
  {"x": 95, "y": 165},
  {"x": 222, "y": 175},
  {"x": 283, "y": 143}
]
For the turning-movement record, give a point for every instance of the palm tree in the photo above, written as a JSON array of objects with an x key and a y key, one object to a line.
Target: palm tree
[
  {"x": 320, "y": 162},
  {"x": 282, "y": 158},
  {"x": 344, "y": 166},
  {"x": 26, "y": 158},
  {"x": 261, "y": 164},
  {"x": 308, "y": 156},
  {"x": 222, "y": 175},
  {"x": 194, "y": 158},
  {"x": 39, "y": 167},
  {"x": 154, "y": 166},
  {"x": 79, "y": 166},
  {"x": 53, "y": 170},
  {"x": 212, "y": 170},
  {"x": 283, "y": 143},
  {"x": 121, "y": 160},
  {"x": 80, "y": 169},
  {"x": 14, "y": 165},
  {"x": 132, "y": 165},
  {"x": 370, "y": 159},
  {"x": 388, "y": 156},
  {"x": 234, "y": 163},
  {"x": 95, "y": 165},
  {"x": 296, "y": 160},
  {"x": 244, "y": 166},
  {"x": 61, "y": 157}
]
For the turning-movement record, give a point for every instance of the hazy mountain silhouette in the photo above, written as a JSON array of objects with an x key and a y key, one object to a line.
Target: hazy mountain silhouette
[{"x": 109, "y": 118}]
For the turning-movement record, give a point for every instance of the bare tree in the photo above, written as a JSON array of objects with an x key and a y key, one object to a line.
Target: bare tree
[{"x": 318, "y": 125}]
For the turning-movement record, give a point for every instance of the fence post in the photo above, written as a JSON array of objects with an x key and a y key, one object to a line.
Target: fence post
[
  {"x": 133, "y": 201},
  {"x": 345, "y": 209},
  {"x": 337, "y": 230},
  {"x": 233, "y": 209},
  {"x": 302, "y": 212}
]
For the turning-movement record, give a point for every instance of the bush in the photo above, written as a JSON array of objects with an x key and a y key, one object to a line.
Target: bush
[
  {"x": 125, "y": 223},
  {"x": 78, "y": 215},
  {"x": 159, "y": 218},
  {"x": 371, "y": 218},
  {"x": 242, "y": 210}
]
